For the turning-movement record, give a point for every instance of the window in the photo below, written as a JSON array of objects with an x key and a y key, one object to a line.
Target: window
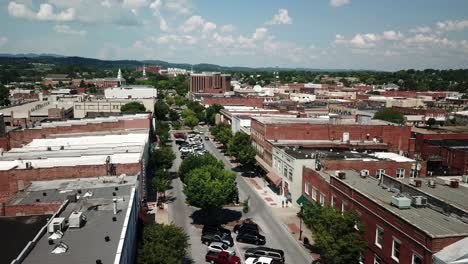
[
  {"x": 417, "y": 259},
  {"x": 322, "y": 199},
  {"x": 285, "y": 171},
  {"x": 116, "y": 107},
  {"x": 343, "y": 207},
  {"x": 290, "y": 174},
  {"x": 333, "y": 200},
  {"x": 377, "y": 260},
  {"x": 314, "y": 194},
  {"x": 307, "y": 188},
  {"x": 379, "y": 236},
  {"x": 412, "y": 173},
  {"x": 400, "y": 173},
  {"x": 396, "y": 246},
  {"x": 379, "y": 173},
  {"x": 78, "y": 107}
]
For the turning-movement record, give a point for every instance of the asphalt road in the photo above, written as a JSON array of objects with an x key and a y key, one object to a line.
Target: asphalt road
[{"x": 277, "y": 236}]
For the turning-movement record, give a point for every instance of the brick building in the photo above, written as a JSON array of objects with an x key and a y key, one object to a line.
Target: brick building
[
  {"x": 256, "y": 102},
  {"x": 406, "y": 221},
  {"x": 209, "y": 83},
  {"x": 265, "y": 131},
  {"x": 151, "y": 68}
]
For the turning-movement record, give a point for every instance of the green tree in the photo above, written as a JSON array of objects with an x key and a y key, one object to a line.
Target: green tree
[
  {"x": 169, "y": 101},
  {"x": 162, "y": 158},
  {"x": 82, "y": 83},
  {"x": 339, "y": 238},
  {"x": 4, "y": 96},
  {"x": 211, "y": 112},
  {"x": 431, "y": 122},
  {"x": 162, "y": 131},
  {"x": 132, "y": 108},
  {"x": 210, "y": 187},
  {"x": 161, "y": 109},
  {"x": 187, "y": 112},
  {"x": 197, "y": 161},
  {"x": 222, "y": 133},
  {"x": 390, "y": 115},
  {"x": 191, "y": 121},
  {"x": 240, "y": 147},
  {"x": 163, "y": 244},
  {"x": 179, "y": 100},
  {"x": 173, "y": 115},
  {"x": 197, "y": 108},
  {"x": 161, "y": 182}
]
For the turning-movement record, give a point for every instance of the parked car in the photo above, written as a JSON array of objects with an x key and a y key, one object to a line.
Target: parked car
[
  {"x": 219, "y": 246},
  {"x": 215, "y": 228},
  {"x": 207, "y": 138},
  {"x": 180, "y": 135},
  {"x": 209, "y": 237},
  {"x": 184, "y": 145},
  {"x": 246, "y": 227},
  {"x": 222, "y": 257},
  {"x": 256, "y": 252},
  {"x": 180, "y": 141},
  {"x": 251, "y": 238},
  {"x": 261, "y": 260},
  {"x": 186, "y": 150}
]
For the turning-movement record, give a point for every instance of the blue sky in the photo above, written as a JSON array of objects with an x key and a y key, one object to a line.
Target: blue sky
[{"x": 345, "y": 34}]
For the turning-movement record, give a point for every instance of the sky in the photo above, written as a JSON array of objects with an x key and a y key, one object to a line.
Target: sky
[{"x": 320, "y": 34}]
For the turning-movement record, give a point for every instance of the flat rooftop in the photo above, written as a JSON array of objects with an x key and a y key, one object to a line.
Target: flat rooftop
[
  {"x": 36, "y": 108},
  {"x": 74, "y": 151},
  {"x": 450, "y": 143},
  {"x": 22, "y": 229},
  {"x": 294, "y": 120},
  {"x": 86, "y": 244},
  {"x": 282, "y": 142},
  {"x": 87, "y": 121},
  {"x": 432, "y": 222},
  {"x": 441, "y": 130}
]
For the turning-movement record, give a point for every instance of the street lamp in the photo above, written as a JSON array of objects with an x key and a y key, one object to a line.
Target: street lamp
[{"x": 300, "y": 222}]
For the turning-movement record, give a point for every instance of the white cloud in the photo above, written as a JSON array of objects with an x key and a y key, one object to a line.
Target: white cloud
[
  {"x": 453, "y": 25},
  {"x": 260, "y": 33},
  {"x": 163, "y": 26},
  {"x": 227, "y": 28},
  {"x": 179, "y": 7},
  {"x": 171, "y": 39},
  {"x": 282, "y": 17},
  {"x": 392, "y": 35},
  {"x": 246, "y": 43},
  {"x": 208, "y": 27},
  {"x": 155, "y": 5},
  {"x": 421, "y": 29},
  {"x": 134, "y": 4},
  {"x": 338, "y": 3},
  {"x": 65, "y": 29},
  {"x": 193, "y": 23},
  {"x": 3, "y": 41},
  {"x": 369, "y": 40},
  {"x": 45, "y": 12},
  {"x": 225, "y": 41}
]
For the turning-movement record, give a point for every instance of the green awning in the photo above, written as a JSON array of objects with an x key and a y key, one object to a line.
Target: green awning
[{"x": 304, "y": 201}]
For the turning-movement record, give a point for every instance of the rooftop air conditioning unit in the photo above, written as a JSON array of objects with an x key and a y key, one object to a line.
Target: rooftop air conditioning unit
[
  {"x": 341, "y": 175},
  {"x": 431, "y": 183},
  {"x": 419, "y": 201},
  {"x": 57, "y": 224},
  {"x": 76, "y": 220},
  {"x": 465, "y": 178},
  {"x": 364, "y": 173},
  {"x": 401, "y": 202},
  {"x": 454, "y": 183}
]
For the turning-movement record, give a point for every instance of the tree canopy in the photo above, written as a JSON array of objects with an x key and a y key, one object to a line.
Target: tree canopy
[
  {"x": 211, "y": 112},
  {"x": 197, "y": 161},
  {"x": 163, "y": 244},
  {"x": 191, "y": 121},
  {"x": 390, "y": 115},
  {"x": 133, "y": 108},
  {"x": 339, "y": 238},
  {"x": 162, "y": 158},
  {"x": 161, "y": 109},
  {"x": 210, "y": 187},
  {"x": 161, "y": 181},
  {"x": 241, "y": 148},
  {"x": 4, "y": 95},
  {"x": 222, "y": 133}
]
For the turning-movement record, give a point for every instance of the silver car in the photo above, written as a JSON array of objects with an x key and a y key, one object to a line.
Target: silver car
[{"x": 218, "y": 247}]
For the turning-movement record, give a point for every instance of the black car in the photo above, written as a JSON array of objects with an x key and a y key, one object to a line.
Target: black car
[
  {"x": 246, "y": 227},
  {"x": 276, "y": 254},
  {"x": 215, "y": 228},
  {"x": 185, "y": 144},
  {"x": 251, "y": 238}
]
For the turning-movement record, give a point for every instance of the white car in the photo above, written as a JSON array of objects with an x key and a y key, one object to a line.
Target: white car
[
  {"x": 186, "y": 150},
  {"x": 218, "y": 247},
  {"x": 260, "y": 260}
]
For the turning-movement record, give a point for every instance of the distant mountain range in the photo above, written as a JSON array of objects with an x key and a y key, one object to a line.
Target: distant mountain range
[{"x": 64, "y": 60}]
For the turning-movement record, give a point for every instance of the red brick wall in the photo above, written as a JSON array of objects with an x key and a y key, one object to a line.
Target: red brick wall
[
  {"x": 32, "y": 209},
  {"x": 312, "y": 177},
  {"x": 9, "y": 179},
  {"x": 19, "y": 137},
  {"x": 4, "y": 144},
  {"x": 371, "y": 214}
]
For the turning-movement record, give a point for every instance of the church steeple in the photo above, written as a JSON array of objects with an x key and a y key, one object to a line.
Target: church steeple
[{"x": 119, "y": 77}]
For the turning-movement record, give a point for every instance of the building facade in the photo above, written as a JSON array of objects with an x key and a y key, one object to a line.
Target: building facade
[{"x": 209, "y": 83}]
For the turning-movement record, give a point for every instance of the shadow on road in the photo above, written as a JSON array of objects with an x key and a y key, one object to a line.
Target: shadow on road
[{"x": 215, "y": 216}]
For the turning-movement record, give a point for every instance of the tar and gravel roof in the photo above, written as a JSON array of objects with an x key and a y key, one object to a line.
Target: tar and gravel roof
[{"x": 293, "y": 120}]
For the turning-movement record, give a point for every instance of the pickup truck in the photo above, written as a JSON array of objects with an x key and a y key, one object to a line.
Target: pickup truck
[{"x": 222, "y": 257}]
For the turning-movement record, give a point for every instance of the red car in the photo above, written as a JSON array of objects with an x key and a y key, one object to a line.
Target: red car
[
  {"x": 221, "y": 258},
  {"x": 180, "y": 135}
]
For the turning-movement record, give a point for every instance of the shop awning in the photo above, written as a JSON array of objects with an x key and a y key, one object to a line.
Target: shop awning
[
  {"x": 274, "y": 178},
  {"x": 304, "y": 201}
]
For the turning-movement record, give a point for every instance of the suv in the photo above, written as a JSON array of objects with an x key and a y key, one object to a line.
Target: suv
[
  {"x": 214, "y": 229},
  {"x": 246, "y": 227},
  {"x": 275, "y": 254},
  {"x": 251, "y": 237}
]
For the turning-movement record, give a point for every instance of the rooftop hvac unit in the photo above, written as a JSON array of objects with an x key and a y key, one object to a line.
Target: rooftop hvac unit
[
  {"x": 465, "y": 178},
  {"x": 401, "y": 202},
  {"x": 340, "y": 174},
  {"x": 415, "y": 183},
  {"x": 454, "y": 183},
  {"x": 431, "y": 183},
  {"x": 419, "y": 201},
  {"x": 57, "y": 224},
  {"x": 364, "y": 173},
  {"x": 76, "y": 220}
]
